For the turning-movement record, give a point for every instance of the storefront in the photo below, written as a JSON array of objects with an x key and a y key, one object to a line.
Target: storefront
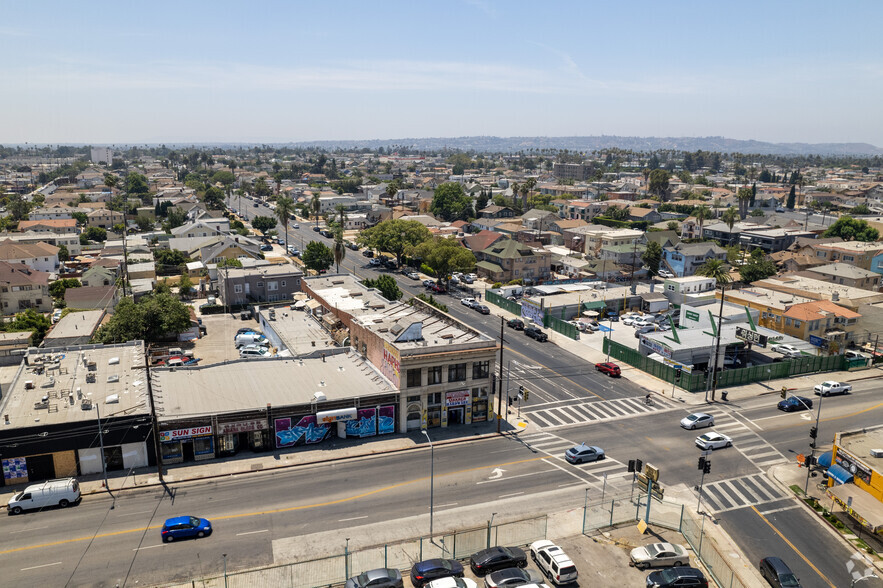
[
  {"x": 116, "y": 458},
  {"x": 458, "y": 408},
  {"x": 252, "y": 434},
  {"x": 187, "y": 444}
]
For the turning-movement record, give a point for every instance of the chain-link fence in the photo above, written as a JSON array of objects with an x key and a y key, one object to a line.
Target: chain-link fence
[{"x": 707, "y": 551}]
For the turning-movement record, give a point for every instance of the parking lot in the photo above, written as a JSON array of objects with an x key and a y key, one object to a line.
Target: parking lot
[{"x": 217, "y": 344}]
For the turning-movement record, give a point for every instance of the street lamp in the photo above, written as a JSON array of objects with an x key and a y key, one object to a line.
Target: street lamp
[
  {"x": 431, "y": 479},
  {"x": 225, "y": 569}
]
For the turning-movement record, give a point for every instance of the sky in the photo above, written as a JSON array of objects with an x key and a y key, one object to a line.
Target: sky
[{"x": 215, "y": 71}]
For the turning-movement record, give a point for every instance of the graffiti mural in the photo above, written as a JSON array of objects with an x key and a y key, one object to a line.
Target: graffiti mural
[
  {"x": 365, "y": 425},
  {"x": 386, "y": 422},
  {"x": 305, "y": 431}
]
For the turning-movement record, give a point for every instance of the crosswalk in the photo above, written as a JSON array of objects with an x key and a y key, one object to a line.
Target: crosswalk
[
  {"x": 580, "y": 413},
  {"x": 746, "y": 440},
  {"x": 555, "y": 446},
  {"x": 751, "y": 490}
]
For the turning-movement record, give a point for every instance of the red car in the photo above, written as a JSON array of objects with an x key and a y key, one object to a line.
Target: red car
[{"x": 611, "y": 369}]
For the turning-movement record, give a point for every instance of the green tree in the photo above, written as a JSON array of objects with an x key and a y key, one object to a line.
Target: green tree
[
  {"x": 80, "y": 217},
  {"x": 63, "y": 253},
  {"x": 284, "y": 208},
  {"x": 153, "y": 318},
  {"x": 184, "y": 285},
  {"x": 58, "y": 287},
  {"x": 450, "y": 202},
  {"x": 137, "y": 184},
  {"x": 714, "y": 268},
  {"x": 316, "y": 206},
  {"x": 144, "y": 223},
  {"x": 851, "y": 229},
  {"x": 444, "y": 256},
  {"x": 225, "y": 178},
  {"x": 339, "y": 248},
  {"x": 18, "y": 207},
  {"x": 758, "y": 267},
  {"x": 659, "y": 183},
  {"x": 701, "y": 214},
  {"x": 396, "y": 236},
  {"x": 387, "y": 286},
  {"x": 214, "y": 198},
  {"x": 229, "y": 262},
  {"x": 672, "y": 225},
  {"x": 652, "y": 257},
  {"x": 860, "y": 209},
  {"x": 170, "y": 261},
  {"x": 94, "y": 234},
  {"x": 792, "y": 198},
  {"x": 261, "y": 188},
  {"x": 30, "y": 320},
  {"x": 744, "y": 196},
  {"x": 317, "y": 256},
  {"x": 111, "y": 181},
  {"x": 175, "y": 217},
  {"x": 264, "y": 224},
  {"x": 729, "y": 217}
]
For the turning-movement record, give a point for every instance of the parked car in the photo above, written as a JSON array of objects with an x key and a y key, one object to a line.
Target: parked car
[
  {"x": 185, "y": 528},
  {"x": 697, "y": 420},
  {"x": 254, "y": 351},
  {"x": 643, "y": 321},
  {"x": 316, "y": 229},
  {"x": 629, "y": 318},
  {"x": 62, "y": 492},
  {"x": 553, "y": 562},
  {"x": 452, "y": 583},
  {"x": 56, "y": 315},
  {"x": 368, "y": 253},
  {"x": 646, "y": 329},
  {"x": 829, "y": 388},
  {"x": 293, "y": 251},
  {"x": 794, "y": 403},
  {"x": 609, "y": 368},
  {"x": 247, "y": 330},
  {"x": 510, "y": 577},
  {"x": 583, "y": 453},
  {"x": 677, "y": 578},
  {"x": 592, "y": 326},
  {"x": 413, "y": 275},
  {"x": 326, "y": 233},
  {"x": 777, "y": 573},
  {"x": 482, "y": 308},
  {"x": 536, "y": 333},
  {"x": 516, "y": 324},
  {"x": 665, "y": 274},
  {"x": 787, "y": 350},
  {"x": 266, "y": 248},
  {"x": 497, "y": 558},
  {"x": 438, "y": 288},
  {"x": 428, "y": 283},
  {"x": 428, "y": 570},
  {"x": 467, "y": 279},
  {"x": 658, "y": 555},
  {"x": 379, "y": 578},
  {"x": 244, "y": 339},
  {"x": 713, "y": 440},
  {"x": 470, "y": 302}
]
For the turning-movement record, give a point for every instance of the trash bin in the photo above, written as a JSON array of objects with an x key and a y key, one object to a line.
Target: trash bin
[{"x": 724, "y": 395}]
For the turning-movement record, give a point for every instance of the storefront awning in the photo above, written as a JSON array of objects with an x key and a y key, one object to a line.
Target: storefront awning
[
  {"x": 839, "y": 475},
  {"x": 824, "y": 459},
  {"x": 864, "y": 508}
]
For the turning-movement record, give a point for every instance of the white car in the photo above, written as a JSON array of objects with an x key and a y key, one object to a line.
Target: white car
[
  {"x": 665, "y": 274},
  {"x": 452, "y": 583},
  {"x": 664, "y": 555},
  {"x": 829, "y": 388},
  {"x": 295, "y": 226},
  {"x": 553, "y": 562},
  {"x": 713, "y": 440},
  {"x": 470, "y": 302},
  {"x": 643, "y": 321},
  {"x": 785, "y": 349},
  {"x": 629, "y": 319},
  {"x": 254, "y": 351},
  {"x": 697, "y": 420}
]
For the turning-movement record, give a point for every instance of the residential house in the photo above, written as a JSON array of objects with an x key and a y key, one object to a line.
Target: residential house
[
  {"x": 39, "y": 256},
  {"x": 584, "y": 210},
  {"x": 624, "y": 254},
  {"x": 558, "y": 190},
  {"x": 92, "y": 298},
  {"x": 858, "y": 253},
  {"x": 770, "y": 240},
  {"x": 596, "y": 237},
  {"x": 539, "y": 220},
  {"x": 266, "y": 283},
  {"x": 104, "y": 218},
  {"x": 223, "y": 247},
  {"x": 685, "y": 258},
  {"x": 75, "y": 328},
  {"x": 62, "y": 225},
  {"x": 138, "y": 271},
  {"x": 494, "y": 211},
  {"x": 22, "y": 288},
  {"x": 481, "y": 240},
  {"x": 99, "y": 276},
  {"x": 508, "y": 260},
  {"x": 55, "y": 213},
  {"x": 487, "y": 224},
  {"x": 823, "y": 323},
  {"x": 847, "y": 274},
  {"x": 202, "y": 228},
  {"x": 564, "y": 224},
  {"x": 644, "y": 214}
]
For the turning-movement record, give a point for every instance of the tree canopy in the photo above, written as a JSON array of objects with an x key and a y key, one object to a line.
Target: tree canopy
[
  {"x": 317, "y": 256},
  {"x": 444, "y": 256},
  {"x": 758, "y": 267},
  {"x": 214, "y": 198},
  {"x": 153, "y": 318},
  {"x": 851, "y": 229},
  {"x": 264, "y": 224},
  {"x": 387, "y": 285},
  {"x": 58, "y": 287},
  {"x": 137, "y": 184},
  {"x": 396, "y": 236},
  {"x": 658, "y": 183},
  {"x": 652, "y": 257},
  {"x": 450, "y": 202}
]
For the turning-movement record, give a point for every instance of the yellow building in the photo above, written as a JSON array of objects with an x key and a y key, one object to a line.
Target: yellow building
[
  {"x": 771, "y": 305},
  {"x": 855, "y": 478}
]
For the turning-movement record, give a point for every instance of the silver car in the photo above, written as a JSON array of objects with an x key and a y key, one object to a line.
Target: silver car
[
  {"x": 662, "y": 555},
  {"x": 697, "y": 420}
]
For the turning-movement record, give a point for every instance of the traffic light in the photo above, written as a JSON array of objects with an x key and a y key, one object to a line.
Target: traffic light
[
  {"x": 813, "y": 432},
  {"x": 784, "y": 393},
  {"x": 707, "y": 467},
  {"x": 809, "y": 461},
  {"x": 701, "y": 463},
  {"x": 526, "y": 395},
  {"x": 631, "y": 465},
  {"x": 521, "y": 391},
  {"x": 677, "y": 375},
  {"x": 511, "y": 400}
]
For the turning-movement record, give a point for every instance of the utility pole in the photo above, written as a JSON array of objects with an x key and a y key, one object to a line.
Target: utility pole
[
  {"x": 814, "y": 433},
  {"x": 500, "y": 377},
  {"x": 717, "y": 344},
  {"x": 125, "y": 231},
  {"x": 156, "y": 446},
  {"x": 101, "y": 444}
]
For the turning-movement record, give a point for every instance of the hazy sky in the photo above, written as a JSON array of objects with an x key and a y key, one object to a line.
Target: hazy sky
[{"x": 155, "y": 71}]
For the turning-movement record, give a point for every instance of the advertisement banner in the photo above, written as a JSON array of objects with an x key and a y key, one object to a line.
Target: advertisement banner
[
  {"x": 241, "y": 427},
  {"x": 386, "y": 421},
  {"x": 15, "y": 468},
  {"x": 457, "y": 398},
  {"x": 532, "y": 310},
  {"x": 179, "y": 434},
  {"x": 656, "y": 347},
  {"x": 391, "y": 362},
  {"x": 307, "y": 430},
  {"x": 853, "y": 466},
  {"x": 363, "y": 426}
]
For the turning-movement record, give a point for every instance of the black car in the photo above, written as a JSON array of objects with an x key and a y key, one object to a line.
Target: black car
[
  {"x": 777, "y": 573},
  {"x": 316, "y": 229},
  {"x": 497, "y": 558},
  {"x": 536, "y": 333},
  {"x": 368, "y": 253},
  {"x": 516, "y": 324},
  {"x": 424, "y": 572},
  {"x": 379, "y": 578},
  {"x": 677, "y": 578},
  {"x": 482, "y": 309},
  {"x": 793, "y": 403},
  {"x": 326, "y": 233}
]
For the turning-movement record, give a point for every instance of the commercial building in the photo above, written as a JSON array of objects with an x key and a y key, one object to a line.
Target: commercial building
[
  {"x": 855, "y": 476},
  {"x": 851, "y": 298},
  {"x": 846, "y": 274},
  {"x": 74, "y": 328}
]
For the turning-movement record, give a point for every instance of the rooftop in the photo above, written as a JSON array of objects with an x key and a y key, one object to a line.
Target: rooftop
[
  {"x": 860, "y": 444},
  {"x": 64, "y": 386},
  {"x": 846, "y": 270},
  {"x": 76, "y": 324},
  {"x": 767, "y": 297},
  {"x": 853, "y": 246},
  {"x": 820, "y": 289},
  {"x": 245, "y": 384},
  {"x": 299, "y": 332},
  {"x": 269, "y": 271}
]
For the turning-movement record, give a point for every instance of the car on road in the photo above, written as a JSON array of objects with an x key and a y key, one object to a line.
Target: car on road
[
  {"x": 795, "y": 403},
  {"x": 379, "y": 578},
  {"x": 786, "y": 349},
  {"x": 511, "y": 577},
  {"x": 713, "y": 440},
  {"x": 583, "y": 453},
  {"x": 295, "y": 226},
  {"x": 438, "y": 288},
  {"x": 697, "y": 420},
  {"x": 374, "y": 262},
  {"x": 658, "y": 555},
  {"x": 516, "y": 324},
  {"x": 428, "y": 283},
  {"x": 536, "y": 333},
  {"x": 316, "y": 229},
  {"x": 497, "y": 558},
  {"x": 467, "y": 279},
  {"x": 553, "y": 562},
  {"x": 255, "y": 204},
  {"x": 294, "y": 251},
  {"x": 351, "y": 245},
  {"x": 266, "y": 248},
  {"x": 185, "y": 528},
  {"x": 452, "y": 583},
  {"x": 609, "y": 368},
  {"x": 326, "y": 233},
  {"x": 482, "y": 308},
  {"x": 777, "y": 573},
  {"x": 683, "y": 577},
  {"x": 368, "y": 253},
  {"x": 428, "y": 570},
  {"x": 470, "y": 302},
  {"x": 830, "y": 388},
  {"x": 413, "y": 275}
]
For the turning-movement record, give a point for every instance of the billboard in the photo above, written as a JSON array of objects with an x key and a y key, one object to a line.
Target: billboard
[{"x": 391, "y": 362}]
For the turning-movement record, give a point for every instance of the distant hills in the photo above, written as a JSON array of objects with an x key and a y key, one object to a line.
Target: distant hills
[{"x": 595, "y": 143}]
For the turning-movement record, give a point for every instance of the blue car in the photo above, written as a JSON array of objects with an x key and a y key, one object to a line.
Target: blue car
[
  {"x": 185, "y": 528},
  {"x": 424, "y": 572},
  {"x": 795, "y": 403}
]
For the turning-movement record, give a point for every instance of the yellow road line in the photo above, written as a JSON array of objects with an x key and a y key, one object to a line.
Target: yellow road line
[
  {"x": 278, "y": 510},
  {"x": 797, "y": 551},
  {"x": 829, "y": 419}
]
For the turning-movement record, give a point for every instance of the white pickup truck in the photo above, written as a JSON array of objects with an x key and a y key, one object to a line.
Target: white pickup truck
[{"x": 829, "y": 388}]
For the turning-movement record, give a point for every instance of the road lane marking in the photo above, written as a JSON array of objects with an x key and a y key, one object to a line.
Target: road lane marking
[
  {"x": 268, "y": 530},
  {"x": 513, "y": 477},
  {"x": 775, "y": 510},
  {"x": 444, "y": 505},
  {"x": 28, "y": 529},
  {"x": 577, "y": 384},
  {"x": 505, "y": 495},
  {"x": 278, "y": 510},
  {"x": 131, "y": 514},
  {"x": 844, "y": 416},
  {"x": 148, "y": 547},
  {"x": 571, "y": 484},
  {"x": 58, "y": 563},
  {"x": 797, "y": 551}
]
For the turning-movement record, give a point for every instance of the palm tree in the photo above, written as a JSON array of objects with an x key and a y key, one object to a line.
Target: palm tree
[
  {"x": 232, "y": 165},
  {"x": 529, "y": 184},
  {"x": 339, "y": 247},
  {"x": 701, "y": 213},
  {"x": 729, "y": 217},
  {"x": 315, "y": 205},
  {"x": 717, "y": 269},
  {"x": 340, "y": 210},
  {"x": 284, "y": 208}
]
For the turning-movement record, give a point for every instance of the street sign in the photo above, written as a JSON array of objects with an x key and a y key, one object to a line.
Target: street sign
[
  {"x": 677, "y": 366},
  {"x": 818, "y": 341},
  {"x": 752, "y": 337}
]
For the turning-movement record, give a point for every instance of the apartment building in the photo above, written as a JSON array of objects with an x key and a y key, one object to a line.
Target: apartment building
[
  {"x": 508, "y": 260},
  {"x": 22, "y": 288}
]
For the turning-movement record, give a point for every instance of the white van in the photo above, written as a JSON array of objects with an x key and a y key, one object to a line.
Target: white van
[
  {"x": 243, "y": 339},
  {"x": 62, "y": 492}
]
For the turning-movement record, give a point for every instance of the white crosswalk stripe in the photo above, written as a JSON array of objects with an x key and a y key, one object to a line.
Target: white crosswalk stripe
[
  {"x": 750, "y": 490},
  {"x": 555, "y": 446},
  {"x": 578, "y": 413},
  {"x": 746, "y": 440}
]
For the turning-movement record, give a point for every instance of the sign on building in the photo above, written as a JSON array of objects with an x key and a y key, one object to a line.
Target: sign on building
[
  {"x": 691, "y": 316},
  {"x": 391, "y": 363},
  {"x": 187, "y": 433},
  {"x": 752, "y": 337}
]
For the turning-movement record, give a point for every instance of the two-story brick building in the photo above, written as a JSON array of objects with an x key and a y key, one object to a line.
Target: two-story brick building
[{"x": 508, "y": 260}]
